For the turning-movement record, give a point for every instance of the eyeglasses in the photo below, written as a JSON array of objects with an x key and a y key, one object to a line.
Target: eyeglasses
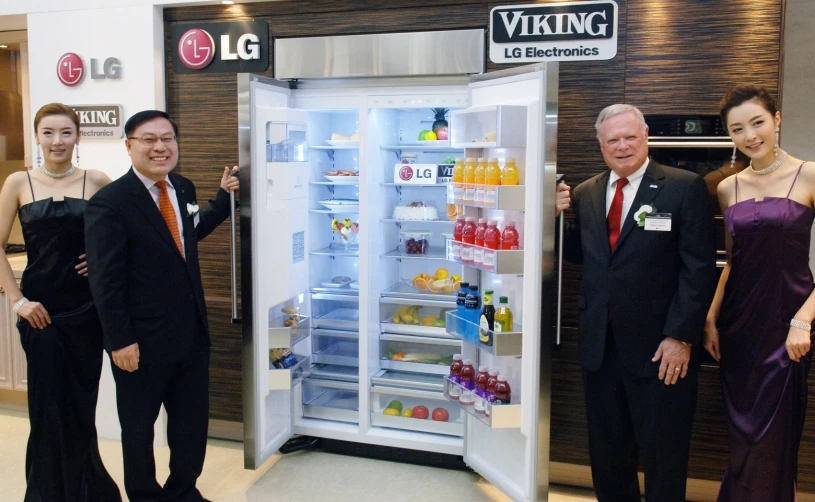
[{"x": 152, "y": 140}]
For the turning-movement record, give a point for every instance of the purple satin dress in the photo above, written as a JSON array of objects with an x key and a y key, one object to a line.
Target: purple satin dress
[{"x": 765, "y": 393}]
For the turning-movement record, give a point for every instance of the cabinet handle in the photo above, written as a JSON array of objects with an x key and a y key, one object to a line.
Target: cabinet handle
[
  {"x": 233, "y": 253},
  {"x": 559, "y": 280}
]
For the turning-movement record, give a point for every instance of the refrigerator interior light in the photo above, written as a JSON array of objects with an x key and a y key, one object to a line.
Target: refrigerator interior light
[{"x": 227, "y": 2}]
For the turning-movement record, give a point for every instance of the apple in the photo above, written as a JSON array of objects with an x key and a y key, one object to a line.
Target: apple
[
  {"x": 441, "y": 133},
  {"x": 441, "y": 415},
  {"x": 421, "y": 412}
]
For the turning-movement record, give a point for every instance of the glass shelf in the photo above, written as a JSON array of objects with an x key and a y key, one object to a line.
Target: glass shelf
[
  {"x": 404, "y": 290},
  {"x": 283, "y": 379},
  {"x": 430, "y": 222},
  {"x": 508, "y": 343},
  {"x": 333, "y": 183},
  {"x": 495, "y": 416},
  {"x": 421, "y": 148},
  {"x": 502, "y": 197},
  {"x": 331, "y": 211},
  {"x": 340, "y": 147},
  {"x": 433, "y": 254},
  {"x": 282, "y": 336},
  {"x": 337, "y": 250},
  {"x": 428, "y": 185},
  {"x": 498, "y": 261}
]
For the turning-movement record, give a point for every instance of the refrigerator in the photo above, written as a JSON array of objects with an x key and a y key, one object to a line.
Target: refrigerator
[{"x": 353, "y": 269}]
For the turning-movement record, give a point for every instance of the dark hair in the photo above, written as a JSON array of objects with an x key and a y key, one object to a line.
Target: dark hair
[
  {"x": 743, "y": 93},
  {"x": 140, "y": 118},
  {"x": 56, "y": 109}
]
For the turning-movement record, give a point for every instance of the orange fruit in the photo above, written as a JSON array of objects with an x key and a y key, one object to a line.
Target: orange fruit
[
  {"x": 457, "y": 286},
  {"x": 442, "y": 273},
  {"x": 431, "y": 286},
  {"x": 447, "y": 288},
  {"x": 452, "y": 212},
  {"x": 420, "y": 283}
]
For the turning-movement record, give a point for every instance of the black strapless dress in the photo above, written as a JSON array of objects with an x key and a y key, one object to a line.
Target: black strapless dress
[{"x": 64, "y": 359}]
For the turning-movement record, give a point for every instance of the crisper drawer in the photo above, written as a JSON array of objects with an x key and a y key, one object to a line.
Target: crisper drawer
[
  {"x": 419, "y": 354},
  {"x": 331, "y": 400},
  {"x": 334, "y": 347},
  {"x": 416, "y": 411},
  {"x": 415, "y": 317},
  {"x": 334, "y": 311}
]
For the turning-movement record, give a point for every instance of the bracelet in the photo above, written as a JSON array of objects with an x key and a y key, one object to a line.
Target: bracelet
[
  {"x": 795, "y": 323},
  {"x": 19, "y": 304}
]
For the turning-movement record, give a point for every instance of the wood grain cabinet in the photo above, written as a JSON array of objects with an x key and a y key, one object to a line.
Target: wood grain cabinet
[{"x": 13, "y": 368}]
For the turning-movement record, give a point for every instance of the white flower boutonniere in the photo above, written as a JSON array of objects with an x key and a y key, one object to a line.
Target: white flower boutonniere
[
  {"x": 192, "y": 209},
  {"x": 643, "y": 211}
]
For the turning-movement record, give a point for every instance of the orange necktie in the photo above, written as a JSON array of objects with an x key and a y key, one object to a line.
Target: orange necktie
[{"x": 168, "y": 213}]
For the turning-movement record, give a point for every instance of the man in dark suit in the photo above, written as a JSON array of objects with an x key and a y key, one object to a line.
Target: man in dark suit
[
  {"x": 644, "y": 236},
  {"x": 141, "y": 237}
]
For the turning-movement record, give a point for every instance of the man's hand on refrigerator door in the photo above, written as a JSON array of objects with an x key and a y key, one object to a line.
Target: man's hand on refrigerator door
[
  {"x": 563, "y": 199},
  {"x": 230, "y": 181}
]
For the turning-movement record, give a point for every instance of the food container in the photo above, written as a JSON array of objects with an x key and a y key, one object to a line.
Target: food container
[
  {"x": 409, "y": 158},
  {"x": 416, "y": 242},
  {"x": 415, "y": 211}
]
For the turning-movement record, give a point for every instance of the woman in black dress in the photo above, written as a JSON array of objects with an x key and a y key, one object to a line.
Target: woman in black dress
[{"x": 59, "y": 329}]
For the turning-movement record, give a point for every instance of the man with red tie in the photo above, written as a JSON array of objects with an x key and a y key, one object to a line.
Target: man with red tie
[
  {"x": 141, "y": 238},
  {"x": 645, "y": 239}
]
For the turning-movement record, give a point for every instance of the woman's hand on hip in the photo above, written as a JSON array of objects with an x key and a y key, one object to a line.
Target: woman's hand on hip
[{"x": 35, "y": 314}]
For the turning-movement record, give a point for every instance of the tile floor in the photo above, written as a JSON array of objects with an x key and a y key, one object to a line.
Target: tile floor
[{"x": 304, "y": 476}]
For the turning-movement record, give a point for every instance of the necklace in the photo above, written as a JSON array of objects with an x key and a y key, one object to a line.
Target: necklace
[
  {"x": 56, "y": 175},
  {"x": 772, "y": 167}
]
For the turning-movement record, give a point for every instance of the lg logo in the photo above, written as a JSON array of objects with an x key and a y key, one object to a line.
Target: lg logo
[
  {"x": 196, "y": 48},
  {"x": 71, "y": 69},
  {"x": 406, "y": 173}
]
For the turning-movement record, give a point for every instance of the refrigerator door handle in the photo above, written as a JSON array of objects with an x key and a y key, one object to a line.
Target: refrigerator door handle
[
  {"x": 561, "y": 223},
  {"x": 233, "y": 256}
]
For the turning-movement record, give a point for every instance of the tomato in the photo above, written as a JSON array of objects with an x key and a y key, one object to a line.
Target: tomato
[
  {"x": 420, "y": 412},
  {"x": 440, "y": 415}
]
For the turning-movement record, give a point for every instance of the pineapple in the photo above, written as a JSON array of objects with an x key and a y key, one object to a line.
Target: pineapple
[{"x": 441, "y": 121}]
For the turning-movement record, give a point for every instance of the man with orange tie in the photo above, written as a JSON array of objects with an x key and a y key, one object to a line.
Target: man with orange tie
[
  {"x": 141, "y": 238},
  {"x": 644, "y": 236}
]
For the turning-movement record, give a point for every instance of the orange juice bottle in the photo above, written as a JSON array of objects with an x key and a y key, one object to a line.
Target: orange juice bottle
[
  {"x": 469, "y": 178},
  {"x": 480, "y": 173},
  {"x": 492, "y": 178},
  {"x": 510, "y": 174},
  {"x": 458, "y": 180}
]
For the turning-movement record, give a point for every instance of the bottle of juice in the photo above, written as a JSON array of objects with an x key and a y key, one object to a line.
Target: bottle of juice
[
  {"x": 458, "y": 232},
  {"x": 510, "y": 174},
  {"x": 509, "y": 237},
  {"x": 455, "y": 376},
  {"x": 491, "y": 179},
  {"x": 472, "y": 308},
  {"x": 487, "y": 320},
  {"x": 493, "y": 379},
  {"x": 503, "y": 317},
  {"x": 503, "y": 394},
  {"x": 492, "y": 240},
  {"x": 458, "y": 179},
  {"x": 481, "y": 389},
  {"x": 469, "y": 179},
  {"x": 480, "y": 174},
  {"x": 480, "y": 231},
  {"x": 468, "y": 375},
  {"x": 461, "y": 298},
  {"x": 468, "y": 237}
]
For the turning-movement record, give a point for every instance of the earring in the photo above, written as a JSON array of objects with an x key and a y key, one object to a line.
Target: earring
[
  {"x": 76, "y": 149},
  {"x": 775, "y": 148},
  {"x": 39, "y": 157},
  {"x": 733, "y": 159}
]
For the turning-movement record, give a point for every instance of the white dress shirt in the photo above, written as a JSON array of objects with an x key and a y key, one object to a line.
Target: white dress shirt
[
  {"x": 154, "y": 191},
  {"x": 629, "y": 191}
]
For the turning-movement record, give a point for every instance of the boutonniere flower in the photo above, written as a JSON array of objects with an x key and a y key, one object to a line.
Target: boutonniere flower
[
  {"x": 192, "y": 209},
  {"x": 643, "y": 211}
]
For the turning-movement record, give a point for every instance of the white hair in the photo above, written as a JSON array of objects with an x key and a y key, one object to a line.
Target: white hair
[{"x": 618, "y": 109}]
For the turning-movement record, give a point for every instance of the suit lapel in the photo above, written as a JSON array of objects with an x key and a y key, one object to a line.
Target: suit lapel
[
  {"x": 146, "y": 204},
  {"x": 650, "y": 185},
  {"x": 598, "y": 201}
]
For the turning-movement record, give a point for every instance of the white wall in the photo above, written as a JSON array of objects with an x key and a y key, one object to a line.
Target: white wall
[{"x": 34, "y": 6}]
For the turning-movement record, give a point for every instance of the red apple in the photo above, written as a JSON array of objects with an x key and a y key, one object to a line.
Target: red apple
[
  {"x": 421, "y": 412},
  {"x": 441, "y": 133},
  {"x": 441, "y": 415}
]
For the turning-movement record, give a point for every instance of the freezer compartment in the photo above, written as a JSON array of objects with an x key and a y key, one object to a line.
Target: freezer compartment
[
  {"x": 331, "y": 400},
  {"x": 508, "y": 343},
  {"x": 335, "y": 311},
  {"x": 383, "y": 398},
  {"x": 418, "y": 320},
  {"x": 503, "y": 416},
  {"x": 505, "y": 198},
  {"x": 496, "y": 261},
  {"x": 283, "y": 379},
  {"x": 335, "y": 350},
  {"x": 419, "y": 354},
  {"x": 287, "y": 330},
  {"x": 498, "y": 126},
  {"x": 407, "y": 380}
]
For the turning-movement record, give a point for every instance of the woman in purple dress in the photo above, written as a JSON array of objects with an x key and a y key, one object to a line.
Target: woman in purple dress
[{"x": 758, "y": 326}]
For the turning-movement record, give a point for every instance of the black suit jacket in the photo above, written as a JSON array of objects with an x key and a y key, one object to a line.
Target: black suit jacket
[
  {"x": 654, "y": 284},
  {"x": 144, "y": 290}
]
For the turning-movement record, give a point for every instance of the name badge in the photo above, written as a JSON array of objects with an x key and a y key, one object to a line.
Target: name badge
[
  {"x": 196, "y": 220},
  {"x": 659, "y": 222}
]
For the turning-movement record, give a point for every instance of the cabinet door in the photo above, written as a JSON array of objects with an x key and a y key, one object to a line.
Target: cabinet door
[{"x": 6, "y": 341}]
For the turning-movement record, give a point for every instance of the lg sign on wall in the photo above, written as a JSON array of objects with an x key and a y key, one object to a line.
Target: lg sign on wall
[
  {"x": 221, "y": 47},
  {"x": 71, "y": 69}
]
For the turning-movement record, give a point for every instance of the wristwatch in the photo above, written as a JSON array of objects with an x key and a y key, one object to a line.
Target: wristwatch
[{"x": 795, "y": 323}]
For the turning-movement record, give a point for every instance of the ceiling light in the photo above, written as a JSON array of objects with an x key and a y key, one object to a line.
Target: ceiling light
[
  {"x": 227, "y": 2},
  {"x": 3, "y": 46}
]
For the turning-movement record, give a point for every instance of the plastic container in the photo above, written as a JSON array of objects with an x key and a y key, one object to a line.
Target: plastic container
[
  {"x": 416, "y": 242},
  {"x": 468, "y": 237},
  {"x": 461, "y": 298},
  {"x": 486, "y": 321},
  {"x": 469, "y": 179},
  {"x": 480, "y": 174},
  {"x": 468, "y": 375},
  {"x": 503, "y": 317},
  {"x": 481, "y": 380},
  {"x": 472, "y": 312},
  {"x": 503, "y": 394},
  {"x": 455, "y": 375},
  {"x": 415, "y": 211},
  {"x": 480, "y": 230},
  {"x": 509, "y": 237},
  {"x": 493, "y": 379},
  {"x": 510, "y": 174}
]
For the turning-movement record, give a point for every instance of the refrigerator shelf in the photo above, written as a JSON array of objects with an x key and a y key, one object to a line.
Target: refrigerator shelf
[
  {"x": 504, "y": 198},
  {"x": 333, "y": 404},
  {"x": 381, "y": 397},
  {"x": 508, "y": 343},
  {"x": 344, "y": 290},
  {"x": 335, "y": 333},
  {"x": 331, "y": 211},
  {"x": 284, "y": 379},
  {"x": 336, "y": 372},
  {"x": 404, "y": 290},
  {"x": 503, "y": 416},
  {"x": 435, "y": 369},
  {"x": 495, "y": 126},
  {"x": 406, "y": 380},
  {"x": 342, "y": 318},
  {"x": 431, "y": 222},
  {"x": 421, "y": 148},
  {"x": 283, "y": 337},
  {"x": 335, "y": 147},
  {"x": 337, "y": 250},
  {"x": 504, "y": 261},
  {"x": 415, "y": 424},
  {"x": 388, "y": 326},
  {"x": 435, "y": 254},
  {"x": 341, "y": 353},
  {"x": 415, "y": 185}
]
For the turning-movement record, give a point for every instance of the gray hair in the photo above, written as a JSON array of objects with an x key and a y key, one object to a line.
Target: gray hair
[{"x": 618, "y": 109}]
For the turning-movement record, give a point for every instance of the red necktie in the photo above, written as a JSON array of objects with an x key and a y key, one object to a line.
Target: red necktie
[
  {"x": 615, "y": 213},
  {"x": 168, "y": 213}
]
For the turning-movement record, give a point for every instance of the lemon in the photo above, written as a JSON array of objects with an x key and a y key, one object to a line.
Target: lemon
[
  {"x": 430, "y": 136},
  {"x": 456, "y": 278},
  {"x": 442, "y": 273},
  {"x": 391, "y": 411},
  {"x": 407, "y": 412}
]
